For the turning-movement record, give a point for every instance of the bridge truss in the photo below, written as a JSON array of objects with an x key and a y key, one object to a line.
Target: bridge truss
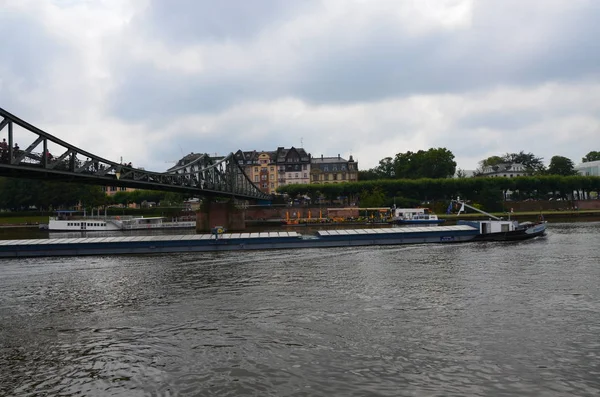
[{"x": 202, "y": 177}]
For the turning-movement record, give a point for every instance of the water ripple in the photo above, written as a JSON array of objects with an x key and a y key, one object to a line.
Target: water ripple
[{"x": 453, "y": 320}]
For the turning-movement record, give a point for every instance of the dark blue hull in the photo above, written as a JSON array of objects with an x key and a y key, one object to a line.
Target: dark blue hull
[{"x": 234, "y": 241}]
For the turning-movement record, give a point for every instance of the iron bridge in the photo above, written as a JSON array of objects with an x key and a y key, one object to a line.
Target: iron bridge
[{"x": 203, "y": 176}]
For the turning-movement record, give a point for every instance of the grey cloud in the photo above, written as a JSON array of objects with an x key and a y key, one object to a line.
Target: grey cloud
[
  {"x": 182, "y": 22},
  {"x": 501, "y": 119},
  {"x": 28, "y": 54},
  {"x": 381, "y": 65},
  {"x": 386, "y": 65},
  {"x": 149, "y": 93}
]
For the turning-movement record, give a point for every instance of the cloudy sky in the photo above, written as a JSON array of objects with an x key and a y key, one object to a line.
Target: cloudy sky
[{"x": 152, "y": 80}]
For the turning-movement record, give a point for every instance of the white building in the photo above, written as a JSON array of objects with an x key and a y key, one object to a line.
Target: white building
[
  {"x": 591, "y": 168},
  {"x": 505, "y": 170}
]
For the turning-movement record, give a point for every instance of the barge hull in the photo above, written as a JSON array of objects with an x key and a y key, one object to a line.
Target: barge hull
[{"x": 232, "y": 242}]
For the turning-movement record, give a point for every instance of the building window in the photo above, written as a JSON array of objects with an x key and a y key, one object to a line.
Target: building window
[
  {"x": 304, "y": 167},
  {"x": 272, "y": 185},
  {"x": 272, "y": 177},
  {"x": 326, "y": 168},
  {"x": 305, "y": 175},
  {"x": 263, "y": 177},
  {"x": 296, "y": 175},
  {"x": 272, "y": 169},
  {"x": 335, "y": 167},
  {"x": 335, "y": 177},
  {"x": 343, "y": 167},
  {"x": 255, "y": 178}
]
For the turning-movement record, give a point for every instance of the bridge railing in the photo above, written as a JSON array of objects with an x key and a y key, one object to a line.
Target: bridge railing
[{"x": 204, "y": 177}]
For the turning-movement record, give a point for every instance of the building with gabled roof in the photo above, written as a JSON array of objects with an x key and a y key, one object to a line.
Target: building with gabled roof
[
  {"x": 333, "y": 170},
  {"x": 505, "y": 170},
  {"x": 260, "y": 167},
  {"x": 293, "y": 166}
]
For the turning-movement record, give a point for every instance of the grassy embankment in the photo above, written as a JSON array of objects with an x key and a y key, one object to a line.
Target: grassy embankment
[{"x": 22, "y": 220}]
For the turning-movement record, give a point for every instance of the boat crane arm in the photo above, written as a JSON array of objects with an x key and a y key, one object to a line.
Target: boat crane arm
[{"x": 476, "y": 209}]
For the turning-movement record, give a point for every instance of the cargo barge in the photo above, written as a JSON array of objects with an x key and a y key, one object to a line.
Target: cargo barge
[{"x": 234, "y": 241}]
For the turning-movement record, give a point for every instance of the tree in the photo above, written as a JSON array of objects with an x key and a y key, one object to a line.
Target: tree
[
  {"x": 529, "y": 160},
  {"x": 433, "y": 163},
  {"x": 560, "y": 165},
  {"x": 460, "y": 173},
  {"x": 491, "y": 161},
  {"x": 533, "y": 164},
  {"x": 439, "y": 163},
  {"x": 385, "y": 169},
  {"x": 368, "y": 175},
  {"x": 591, "y": 156},
  {"x": 374, "y": 198},
  {"x": 21, "y": 194}
]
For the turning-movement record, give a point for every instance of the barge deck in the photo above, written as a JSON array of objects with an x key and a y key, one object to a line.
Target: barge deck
[{"x": 233, "y": 241}]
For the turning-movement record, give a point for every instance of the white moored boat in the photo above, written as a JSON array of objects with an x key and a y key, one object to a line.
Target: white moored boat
[
  {"x": 415, "y": 216},
  {"x": 69, "y": 221}
]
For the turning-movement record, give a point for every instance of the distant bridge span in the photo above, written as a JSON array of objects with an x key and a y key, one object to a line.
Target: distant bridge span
[{"x": 201, "y": 177}]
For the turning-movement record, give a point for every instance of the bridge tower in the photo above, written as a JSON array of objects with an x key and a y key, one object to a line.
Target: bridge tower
[{"x": 226, "y": 214}]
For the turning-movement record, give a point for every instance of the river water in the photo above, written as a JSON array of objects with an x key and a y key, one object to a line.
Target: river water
[{"x": 475, "y": 319}]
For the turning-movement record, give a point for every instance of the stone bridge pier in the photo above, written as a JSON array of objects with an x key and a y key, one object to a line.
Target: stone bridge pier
[{"x": 225, "y": 214}]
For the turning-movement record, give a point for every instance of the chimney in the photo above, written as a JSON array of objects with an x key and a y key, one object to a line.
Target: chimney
[
  {"x": 338, "y": 156},
  {"x": 321, "y": 157}
]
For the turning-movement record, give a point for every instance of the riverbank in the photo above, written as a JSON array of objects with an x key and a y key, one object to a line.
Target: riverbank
[
  {"x": 22, "y": 221},
  {"x": 550, "y": 216}
]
